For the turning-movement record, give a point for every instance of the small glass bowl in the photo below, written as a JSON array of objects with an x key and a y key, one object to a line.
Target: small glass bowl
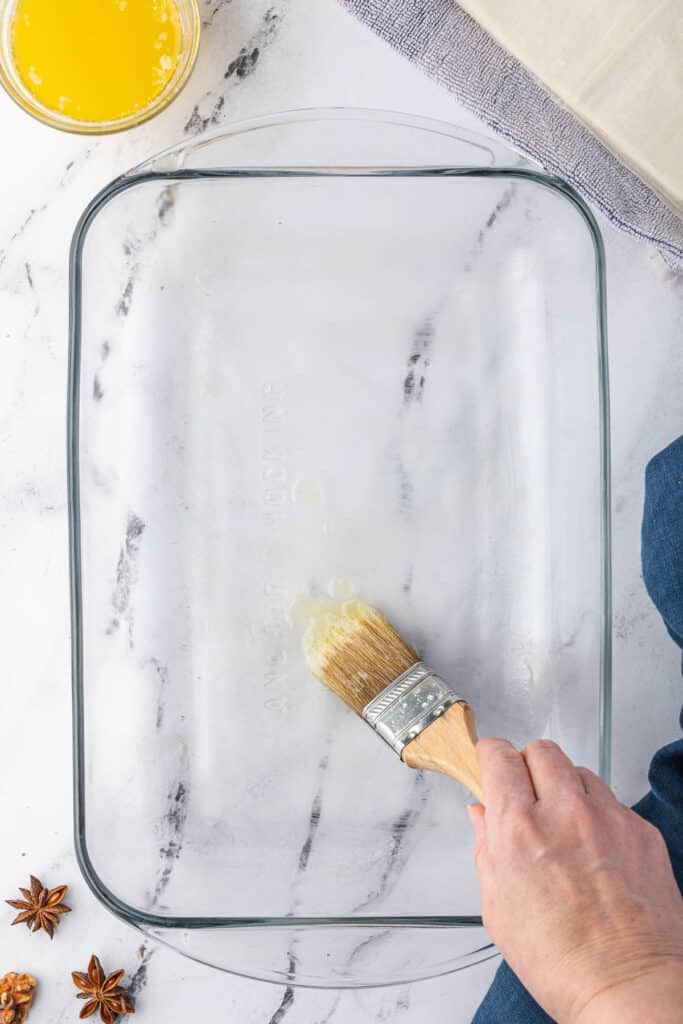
[{"x": 12, "y": 83}]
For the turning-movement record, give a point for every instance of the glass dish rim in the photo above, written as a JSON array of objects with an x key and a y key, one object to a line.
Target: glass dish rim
[
  {"x": 53, "y": 119},
  {"x": 146, "y": 173}
]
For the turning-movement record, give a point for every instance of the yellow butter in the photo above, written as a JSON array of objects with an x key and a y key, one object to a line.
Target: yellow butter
[{"x": 96, "y": 60}]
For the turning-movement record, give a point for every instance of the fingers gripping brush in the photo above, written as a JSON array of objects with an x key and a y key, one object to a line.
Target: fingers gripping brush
[{"x": 358, "y": 655}]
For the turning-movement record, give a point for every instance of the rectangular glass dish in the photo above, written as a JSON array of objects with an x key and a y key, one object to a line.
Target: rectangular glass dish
[{"x": 325, "y": 353}]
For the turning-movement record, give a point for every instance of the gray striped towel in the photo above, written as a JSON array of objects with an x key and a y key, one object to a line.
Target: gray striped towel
[{"x": 439, "y": 37}]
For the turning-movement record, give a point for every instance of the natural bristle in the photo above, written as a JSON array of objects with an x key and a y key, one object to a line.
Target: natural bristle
[{"x": 355, "y": 652}]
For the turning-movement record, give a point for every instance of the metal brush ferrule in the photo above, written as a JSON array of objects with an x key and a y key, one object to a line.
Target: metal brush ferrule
[{"x": 408, "y": 705}]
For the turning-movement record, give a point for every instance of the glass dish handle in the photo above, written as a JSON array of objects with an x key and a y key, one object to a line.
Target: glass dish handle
[{"x": 334, "y": 137}]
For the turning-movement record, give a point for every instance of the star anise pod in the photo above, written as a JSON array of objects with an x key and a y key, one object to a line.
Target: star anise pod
[
  {"x": 16, "y": 995},
  {"x": 40, "y": 907},
  {"x": 103, "y": 992}
]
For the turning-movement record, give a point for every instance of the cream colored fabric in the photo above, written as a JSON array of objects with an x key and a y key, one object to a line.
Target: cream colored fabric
[{"x": 616, "y": 64}]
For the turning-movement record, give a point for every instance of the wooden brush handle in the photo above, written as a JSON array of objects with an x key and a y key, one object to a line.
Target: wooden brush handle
[{"x": 447, "y": 746}]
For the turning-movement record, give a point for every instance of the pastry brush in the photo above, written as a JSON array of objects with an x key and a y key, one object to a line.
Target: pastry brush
[{"x": 358, "y": 655}]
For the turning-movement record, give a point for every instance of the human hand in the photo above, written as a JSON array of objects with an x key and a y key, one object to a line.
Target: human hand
[{"x": 578, "y": 891}]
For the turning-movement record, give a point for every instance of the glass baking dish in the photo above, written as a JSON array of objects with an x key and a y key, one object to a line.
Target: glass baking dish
[{"x": 325, "y": 352}]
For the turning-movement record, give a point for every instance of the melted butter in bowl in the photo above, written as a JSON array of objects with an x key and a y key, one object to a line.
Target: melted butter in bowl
[{"x": 94, "y": 65}]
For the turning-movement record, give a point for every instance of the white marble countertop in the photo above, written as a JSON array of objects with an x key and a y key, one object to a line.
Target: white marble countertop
[{"x": 255, "y": 58}]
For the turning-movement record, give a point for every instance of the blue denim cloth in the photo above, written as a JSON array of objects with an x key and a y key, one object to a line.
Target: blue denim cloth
[{"x": 507, "y": 1001}]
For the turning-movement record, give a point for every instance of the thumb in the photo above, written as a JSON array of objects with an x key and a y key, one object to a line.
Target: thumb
[{"x": 476, "y": 814}]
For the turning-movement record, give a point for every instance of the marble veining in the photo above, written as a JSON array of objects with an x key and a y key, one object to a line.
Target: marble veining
[
  {"x": 314, "y": 818},
  {"x": 238, "y": 69},
  {"x": 418, "y": 362},
  {"x": 173, "y": 826},
  {"x": 501, "y": 206},
  {"x": 399, "y": 831},
  {"x": 97, "y": 386},
  {"x": 126, "y": 575}
]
